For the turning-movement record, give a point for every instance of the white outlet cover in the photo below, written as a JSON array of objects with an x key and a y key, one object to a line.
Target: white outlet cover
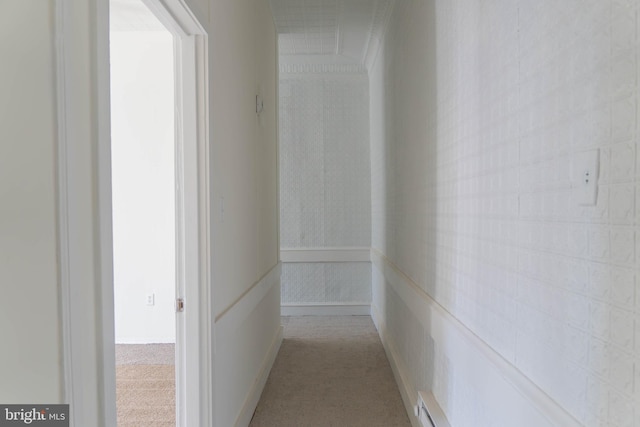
[
  {"x": 151, "y": 299},
  {"x": 584, "y": 177}
]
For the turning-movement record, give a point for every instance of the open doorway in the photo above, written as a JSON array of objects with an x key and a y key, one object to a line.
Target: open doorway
[
  {"x": 86, "y": 249},
  {"x": 143, "y": 171},
  {"x": 192, "y": 298}
]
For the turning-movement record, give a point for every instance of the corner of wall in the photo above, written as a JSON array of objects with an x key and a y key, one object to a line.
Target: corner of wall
[{"x": 408, "y": 391}]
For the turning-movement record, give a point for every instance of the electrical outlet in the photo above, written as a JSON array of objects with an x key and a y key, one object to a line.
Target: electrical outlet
[{"x": 151, "y": 299}]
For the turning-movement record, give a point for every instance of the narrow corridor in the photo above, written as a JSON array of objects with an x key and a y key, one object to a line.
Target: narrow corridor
[{"x": 330, "y": 371}]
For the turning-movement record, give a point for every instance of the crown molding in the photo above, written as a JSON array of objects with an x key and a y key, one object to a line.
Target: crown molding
[{"x": 382, "y": 16}]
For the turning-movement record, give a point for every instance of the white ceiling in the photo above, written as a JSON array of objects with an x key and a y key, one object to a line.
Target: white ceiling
[{"x": 329, "y": 31}]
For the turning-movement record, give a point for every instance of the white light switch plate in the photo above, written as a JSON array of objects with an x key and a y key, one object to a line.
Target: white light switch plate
[{"x": 584, "y": 177}]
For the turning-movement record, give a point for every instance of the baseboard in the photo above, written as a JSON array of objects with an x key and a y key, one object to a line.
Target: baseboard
[
  {"x": 515, "y": 399},
  {"x": 408, "y": 391},
  {"x": 325, "y": 309},
  {"x": 251, "y": 402},
  {"x": 169, "y": 340}
]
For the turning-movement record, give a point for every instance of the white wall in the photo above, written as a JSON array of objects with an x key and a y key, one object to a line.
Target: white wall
[
  {"x": 242, "y": 63},
  {"x": 142, "y": 163},
  {"x": 245, "y": 282},
  {"x": 246, "y": 274},
  {"x": 324, "y": 186},
  {"x": 30, "y": 360},
  {"x": 492, "y": 286}
]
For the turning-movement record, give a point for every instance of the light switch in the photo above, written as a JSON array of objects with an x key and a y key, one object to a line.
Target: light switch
[
  {"x": 584, "y": 177},
  {"x": 259, "y": 104}
]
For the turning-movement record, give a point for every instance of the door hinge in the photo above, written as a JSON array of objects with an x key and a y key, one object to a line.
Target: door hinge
[{"x": 179, "y": 305}]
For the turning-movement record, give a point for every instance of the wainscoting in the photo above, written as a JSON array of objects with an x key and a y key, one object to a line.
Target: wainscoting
[
  {"x": 326, "y": 281},
  {"x": 248, "y": 335},
  {"x": 430, "y": 350}
]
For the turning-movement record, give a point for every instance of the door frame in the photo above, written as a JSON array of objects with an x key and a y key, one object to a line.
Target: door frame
[
  {"x": 88, "y": 357},
  {"x": 192, "y": 209}
]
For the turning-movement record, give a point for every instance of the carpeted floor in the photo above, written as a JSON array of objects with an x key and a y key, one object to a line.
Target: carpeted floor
[
  {"x": 145, "y": 385},
  {"x": 330, "y": 372},
  {"x": 145, "y": 354}
]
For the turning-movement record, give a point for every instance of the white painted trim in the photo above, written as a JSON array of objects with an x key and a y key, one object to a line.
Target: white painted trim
[
  {"x": 173, "y": 15},
  {"x": 367, "y": 44},
  {"x": 194, "y": 335},
  {"x": 145, "y": 340},
  {"x": 107, "y": 351},
  {"x": 380, "y": 25},
  {"x": 328, "y": 309},
  {"x": 61, "y": 61},
  {"x": 249, "y": 300},
  {"x": 277, "y": 111},
  {"x": 251, "y": 402},
  {"x": 184, "y": 212},
  {"x": 321, "y": 69},
  {"x": 339, "y": 36},
  {"x": 451, "y": 333},
  {"x": 428, "y": 405},
  {"x": 405, "y": 385},
  {"x": 84, "y": 222},
  {"x": 90, "y": 362},
  {"x": 227, "y": 324},
  {"x": 205, "y": 313},
  {"x": 307, "y": 255}
]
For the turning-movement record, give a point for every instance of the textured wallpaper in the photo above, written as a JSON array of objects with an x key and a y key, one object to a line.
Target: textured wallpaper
[
  {"x": 326, "y": 282},
  {"x": 478, "y": 110},
  {"x": 324, "y": 162},
  {"x": 325, "y": 192}
]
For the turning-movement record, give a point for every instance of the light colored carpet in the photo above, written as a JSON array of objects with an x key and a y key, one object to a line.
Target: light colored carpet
[
  {"x": 145, "y": 385},
  {"x": 145, "y": 354},
  {"x": 330, "y": 372}
]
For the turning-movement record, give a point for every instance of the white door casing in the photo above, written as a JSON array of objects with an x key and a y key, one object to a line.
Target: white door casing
[{"x": 87, "y": 313}]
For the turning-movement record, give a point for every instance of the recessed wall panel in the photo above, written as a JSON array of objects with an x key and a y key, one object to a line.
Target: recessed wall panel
[{"x": 325, "y": 193}]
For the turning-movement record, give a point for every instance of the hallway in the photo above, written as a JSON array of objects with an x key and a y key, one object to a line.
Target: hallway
[
  {"x": 466, "y": 172},
  {"x": 330, "y": 371}
]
